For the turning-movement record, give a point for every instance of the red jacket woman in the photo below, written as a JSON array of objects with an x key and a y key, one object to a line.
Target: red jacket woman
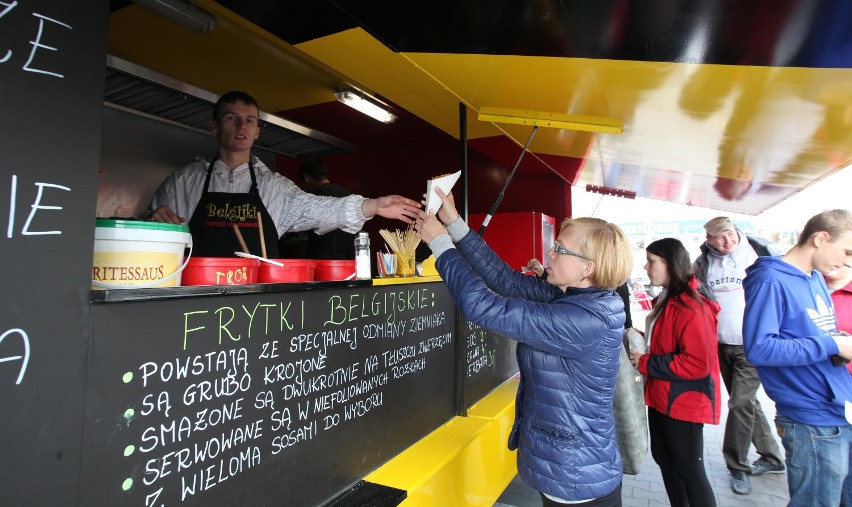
[
  {"x": 682, "y": 374},
  {"x": 682, "y": 368}
]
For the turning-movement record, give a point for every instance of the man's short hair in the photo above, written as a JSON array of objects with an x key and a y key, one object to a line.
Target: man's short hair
[
  {"x": 719, "y": 225},
  {"x": 315, "y": 168},
  {"x": 232, "y": 97},
  {"x": 835, "y": 222}
]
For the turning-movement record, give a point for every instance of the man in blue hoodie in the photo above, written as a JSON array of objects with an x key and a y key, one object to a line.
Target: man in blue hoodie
[{"x": 790, "y": 335}]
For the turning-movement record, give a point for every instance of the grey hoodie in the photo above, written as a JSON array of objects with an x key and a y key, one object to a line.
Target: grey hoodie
[{"x": 724, "y": 276}]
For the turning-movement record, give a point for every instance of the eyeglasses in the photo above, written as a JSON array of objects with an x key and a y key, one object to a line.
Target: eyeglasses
[{"x": 564, "y": 251}]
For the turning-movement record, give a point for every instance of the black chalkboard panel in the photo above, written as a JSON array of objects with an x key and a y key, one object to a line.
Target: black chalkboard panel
[
  {"x": 489, "y": 361},
  {"x": 52, "y": 55},
  {"x": 262, "y": 399}
]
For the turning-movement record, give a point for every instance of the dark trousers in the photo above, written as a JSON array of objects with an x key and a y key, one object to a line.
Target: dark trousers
[
  {"x": 678, "y": 447},
  {"x": 746, "y": 422},
  {"x": 611, "y": 500}
]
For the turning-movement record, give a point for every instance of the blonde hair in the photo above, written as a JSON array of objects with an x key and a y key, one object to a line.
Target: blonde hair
[{"x": 607, "y": 246}]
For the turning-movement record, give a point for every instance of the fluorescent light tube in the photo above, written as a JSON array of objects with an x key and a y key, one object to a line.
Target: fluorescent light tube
[
  {"x": 363, "y": 104},
  {"x": 182, "y": 12}
]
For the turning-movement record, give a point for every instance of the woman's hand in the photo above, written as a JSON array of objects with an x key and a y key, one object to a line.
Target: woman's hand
[
  {"x": 534, "y": 265},
  {"x": 428, "y": 227},
  {"x": 634, "y": 358},
  {"x": 447, "y": 213}
]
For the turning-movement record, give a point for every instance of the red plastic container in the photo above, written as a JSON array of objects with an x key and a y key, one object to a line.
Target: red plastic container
[
  {"x": 294, "y": 270},
  {"x": 334, "y": 270},
  {"x": 220, "y": 271}
]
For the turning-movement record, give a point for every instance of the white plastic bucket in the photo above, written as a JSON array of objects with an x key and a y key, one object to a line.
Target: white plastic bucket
[{"x": 133, "y": 254}]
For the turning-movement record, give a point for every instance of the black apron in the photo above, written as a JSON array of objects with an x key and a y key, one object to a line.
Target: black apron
[{"x": 211, "y": 223}]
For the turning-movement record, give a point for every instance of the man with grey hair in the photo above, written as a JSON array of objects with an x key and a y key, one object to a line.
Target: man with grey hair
[{"x": 721, "y": 266}]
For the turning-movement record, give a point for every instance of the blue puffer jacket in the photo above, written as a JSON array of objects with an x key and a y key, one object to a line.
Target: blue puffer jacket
[{"x": 568, "y": 354}]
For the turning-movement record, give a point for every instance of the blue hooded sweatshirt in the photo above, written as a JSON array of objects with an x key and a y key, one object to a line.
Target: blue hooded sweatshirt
[{"x": 786, "y": 333}]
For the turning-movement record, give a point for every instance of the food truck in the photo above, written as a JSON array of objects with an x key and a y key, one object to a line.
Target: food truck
[{"x": 338, "y": 392}]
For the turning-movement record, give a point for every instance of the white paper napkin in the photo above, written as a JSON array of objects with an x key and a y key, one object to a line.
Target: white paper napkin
[{"x": 445, "y": 183}]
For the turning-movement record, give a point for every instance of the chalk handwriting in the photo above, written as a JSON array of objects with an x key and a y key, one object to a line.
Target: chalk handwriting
[
  {"x": 151, "y": 499},
  {"x": 231, "y": 361},
  {"x": 162, "y": 403},
  {"x": 176, "y": 431},
  {"x": 12, "y": 198},
  {"x": 359, "y": 306},
  {"x": 264, "y": 399},
  {"x": 270, "y": 350},
  {"x": 221, "y": 387},
  {"x": 24, "y": 358},
  {"x": 38, "y": 44},
  {"x": 261, "y": 384},
  {"x": 292, "y": 437},
  {"x": 217, "y": 473},
  {"x": 424, "y": 322},
  {"x": 480, "y": 353},
  {"x": 8, "y": 7},
  {"x": 37, "y": 205},
  {"x": 229, "y": 322}
]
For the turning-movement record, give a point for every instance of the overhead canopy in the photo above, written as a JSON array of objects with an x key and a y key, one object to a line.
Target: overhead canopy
[{"x": 725, "y": 104}]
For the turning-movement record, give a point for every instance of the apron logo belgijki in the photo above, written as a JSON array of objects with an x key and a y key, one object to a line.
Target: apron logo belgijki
[{"x": 241, "y": 213}]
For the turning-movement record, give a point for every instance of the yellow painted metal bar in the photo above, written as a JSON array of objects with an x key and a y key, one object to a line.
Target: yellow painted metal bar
[
  {"x": 598, "y": 124},
  {"x": 405, "y": 280},
  {"x": 465, "y": 462}
]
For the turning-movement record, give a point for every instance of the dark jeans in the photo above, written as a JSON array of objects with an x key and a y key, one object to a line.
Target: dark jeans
[
  {"x": 746, "y": 422},
  {"x": 678, "y": 447},
  {"x": 611, "y": 500}
]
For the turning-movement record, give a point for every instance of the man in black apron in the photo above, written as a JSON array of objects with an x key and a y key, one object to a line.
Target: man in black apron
[
  {"x": 214, "y": 236},
  {"x": 235, "y": 187}
]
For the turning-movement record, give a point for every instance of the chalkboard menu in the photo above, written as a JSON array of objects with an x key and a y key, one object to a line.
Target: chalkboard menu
[
  {"x": 262, "y": 399},
  {"x": 52, "y": 55},
  {"x": 489, "y": 361}
]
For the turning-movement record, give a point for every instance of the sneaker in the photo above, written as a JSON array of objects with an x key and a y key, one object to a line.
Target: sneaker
[
  {"x": 764, "y": 466},
  {"x": 740, "y": 482}
]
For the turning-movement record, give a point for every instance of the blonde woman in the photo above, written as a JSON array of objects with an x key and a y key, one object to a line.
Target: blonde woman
[{"x": 569, "y": 332}]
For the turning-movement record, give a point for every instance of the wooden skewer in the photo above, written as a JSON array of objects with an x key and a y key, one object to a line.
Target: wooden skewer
[
  {"x": 397, "y": 241},
  {"x": 240, "y": 238},
  {"x": 262, "y": 241}
]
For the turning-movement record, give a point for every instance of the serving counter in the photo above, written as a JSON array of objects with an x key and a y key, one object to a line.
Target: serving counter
[
  {"x": 321, "y": 393},
  {"x": 259, "y": 395}
]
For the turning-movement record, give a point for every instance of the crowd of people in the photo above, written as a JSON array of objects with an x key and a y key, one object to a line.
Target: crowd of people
[{"x": 736, "y": 313}]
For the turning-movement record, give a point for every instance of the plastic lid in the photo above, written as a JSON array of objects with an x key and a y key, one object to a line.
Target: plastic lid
[{"x": 140, "y": 224}]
